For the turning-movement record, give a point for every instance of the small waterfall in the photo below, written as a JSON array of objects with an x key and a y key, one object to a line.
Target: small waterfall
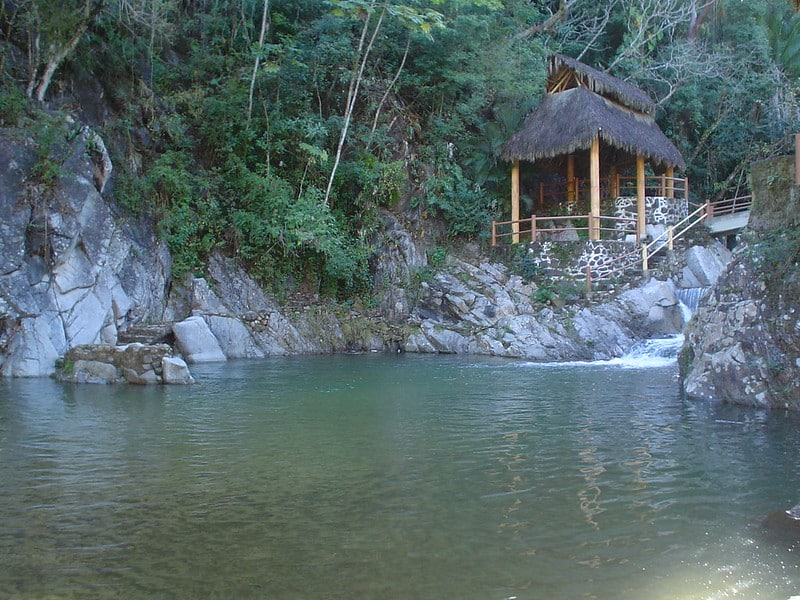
[
  {"x": 655, "y": 352},
  {"x": 690, "y": 297}
]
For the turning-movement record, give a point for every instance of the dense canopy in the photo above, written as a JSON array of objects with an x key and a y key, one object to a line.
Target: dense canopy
[{"x": 281, "y": 132}]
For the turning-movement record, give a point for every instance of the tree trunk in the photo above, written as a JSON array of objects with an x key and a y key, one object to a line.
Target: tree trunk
[
  {"x": 37, "y": 88},
  {"x": 262, "y": 35},
  {"x": 352, "y": 94}
]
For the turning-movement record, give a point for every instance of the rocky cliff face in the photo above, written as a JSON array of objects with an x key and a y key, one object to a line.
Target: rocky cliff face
[
  {"x": 70, "y": 272},
  {"x": 74, "y": 271},
  {"x": 743, "y": 345}
]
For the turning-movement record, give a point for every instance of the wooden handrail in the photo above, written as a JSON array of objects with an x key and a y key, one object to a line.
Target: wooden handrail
[
  {"x": 729, "y": 206},
  {"x": 669, "y": 236},
  {"x": 661, "y": 185},
  {"x": 531, "y": 226}
]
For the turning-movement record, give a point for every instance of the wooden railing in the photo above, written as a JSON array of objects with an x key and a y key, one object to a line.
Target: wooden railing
[
  {"x": 672, "y": 233},
  {"x": 656, "y": 185},
  {"x": 728, "y": 206},
  {"x": 577, "y": 191},
  {"x": 531, "y": 228}
]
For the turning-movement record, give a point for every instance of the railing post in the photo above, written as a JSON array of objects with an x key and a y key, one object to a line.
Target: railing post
[
  {"x": 669, "y": 237},
  {"x": 533, "y": 228},
  {"x": 709, "y": 209},
  {"x": 663, "y": 186},
  {"x": 541, "y": 195},
  {"x": 588, "y": 282},
  {"x": 644, "y": 258},
  {"x": 494, "y": 233}
]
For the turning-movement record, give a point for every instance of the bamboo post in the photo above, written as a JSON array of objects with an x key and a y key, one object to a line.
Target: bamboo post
[
  {"x": 709, "y": 209},
  {"x": 588, "y": 281},
  {"x": 671, "y": 178},
  {"x": 494, "y": 233},
  {"x": 594, "y": 189},
  {"x": 533, "y": 228},
  {"x": 571, "y": 187},
  {"x": 613, "y": 182},
  {"x": 644, "y": 258},
  {"x": 663, "y": 191},
  {"x": 797, "y": 158},
  {"x": 515, "y": 202},
  {"x": 640, "y": 204},
  {"x": 541, "y": 195},
  {"x": 670, "y": 238}
]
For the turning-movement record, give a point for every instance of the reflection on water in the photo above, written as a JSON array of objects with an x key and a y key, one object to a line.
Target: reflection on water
[{"x": 392, "y": 477}]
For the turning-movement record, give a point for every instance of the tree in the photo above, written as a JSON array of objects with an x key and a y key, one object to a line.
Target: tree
[
  {"x": 54, "y": 32},
  {"x": 421, "y": 20}
]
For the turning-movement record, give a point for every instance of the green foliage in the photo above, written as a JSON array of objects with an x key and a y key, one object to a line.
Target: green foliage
[
  {"x": 13, "y": 104},
  {"x": 50, "y": 133},
  {"x": 447, "y": 82},
  {"x": 437, "y": 257},
  {"x": 780, "y": 251},
  {"x": 465, "y": 206}
]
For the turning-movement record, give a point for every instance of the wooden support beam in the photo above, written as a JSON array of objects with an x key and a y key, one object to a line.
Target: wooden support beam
[
  {"x": 670, "y": 183},
  {"x": 515, "y": 202},
  {"x": 613, "y": 182},
  {"x": 797, "y": 158},
  {"x": 571, "y": 187},
  {"x": 594, "y": 190},
  {"x": 640, "y": 204}
]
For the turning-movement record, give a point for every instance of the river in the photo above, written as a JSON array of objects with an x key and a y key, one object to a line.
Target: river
[{"x": 393, "y": 477}]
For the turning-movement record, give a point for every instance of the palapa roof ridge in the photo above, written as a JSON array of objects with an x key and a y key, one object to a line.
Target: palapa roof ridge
[
  {"x": 570, "y": 120},
  {"x": 602, "y": 83}
]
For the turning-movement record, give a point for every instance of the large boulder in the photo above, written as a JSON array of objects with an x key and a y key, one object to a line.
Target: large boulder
[
  {"x": 704, "y": 265},
  {"x": 196, "y": 341}
]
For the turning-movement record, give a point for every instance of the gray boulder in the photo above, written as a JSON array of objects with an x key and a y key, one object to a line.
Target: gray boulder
[
  {"x": 704, "y": 265},
  {"x": 175, "y": 371},
  {"x": 196, "y": 342}
]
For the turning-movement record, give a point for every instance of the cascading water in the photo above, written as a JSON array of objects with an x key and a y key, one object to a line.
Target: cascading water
[
  {"x": 660, "y": 351},
  {"x": 690, "y": 298}
]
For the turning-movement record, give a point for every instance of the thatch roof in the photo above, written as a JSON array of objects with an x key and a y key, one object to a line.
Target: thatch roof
[
  {"x": 578, "y": 74},
  {"x": 570, "y": 120}
]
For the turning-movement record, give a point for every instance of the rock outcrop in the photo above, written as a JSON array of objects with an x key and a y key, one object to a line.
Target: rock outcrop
[
  {"x": 74, "y": 272},
  {"x": 71, "y": 272},
  {"x": 484, "y": 309},
  {"x": 743, "y": 345}
]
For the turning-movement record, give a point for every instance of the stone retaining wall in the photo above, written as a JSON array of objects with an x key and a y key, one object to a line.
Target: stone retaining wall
[
  {"x": 658, "y": 210},
  {"x": 570, "y": 259},
  {"x": 134, "y": 363}
]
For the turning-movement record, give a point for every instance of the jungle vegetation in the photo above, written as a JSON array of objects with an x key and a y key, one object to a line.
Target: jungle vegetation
[{"x": 276, "y": 130}]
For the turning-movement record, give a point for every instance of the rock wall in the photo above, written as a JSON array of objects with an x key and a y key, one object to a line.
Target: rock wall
[
  {"x": 659, "y": 210},
  {"x": 133, "y": 363},
  {"x": 743, "y": 345},
  {"x": 484, "y": 309},
  {"x": 71, "y": 272}
]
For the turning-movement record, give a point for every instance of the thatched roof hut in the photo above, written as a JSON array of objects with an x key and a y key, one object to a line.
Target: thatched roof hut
[
  {"x": 583, "y": 103},
  {"x": 597, "y": 117}
]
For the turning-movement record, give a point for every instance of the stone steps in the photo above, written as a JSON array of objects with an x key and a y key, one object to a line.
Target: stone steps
[{"x": 152, "y": 333}]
